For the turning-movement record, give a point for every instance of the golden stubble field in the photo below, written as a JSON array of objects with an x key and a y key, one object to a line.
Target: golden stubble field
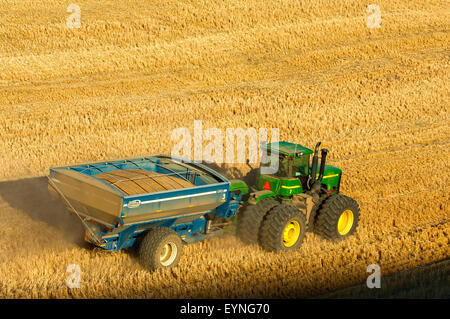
[{"x": 135, "y": 70}]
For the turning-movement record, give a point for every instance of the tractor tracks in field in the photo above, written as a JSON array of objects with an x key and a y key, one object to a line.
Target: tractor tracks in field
[
  {"x": 191, "y": 86},
  {"x": 422, "y": 145},
  {"x": 416, "y": 130},
  {"x": 421, "y": 191},
  {"x": 440, "y": 141}
]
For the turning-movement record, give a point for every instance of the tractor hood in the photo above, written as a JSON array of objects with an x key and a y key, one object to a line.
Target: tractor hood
[
  {"x": 331, "y": 178},
  {"x": 329, "y": 172}
]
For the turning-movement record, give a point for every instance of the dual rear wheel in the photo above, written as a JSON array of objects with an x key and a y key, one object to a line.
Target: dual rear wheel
[
  {"x": 283, "y": 228},
  {"x": 337, "y": 218},
  {"x": 276, "y": 227}
]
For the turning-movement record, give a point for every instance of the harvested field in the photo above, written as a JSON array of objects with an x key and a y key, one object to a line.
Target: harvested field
[{"x": 378, "y": 99}]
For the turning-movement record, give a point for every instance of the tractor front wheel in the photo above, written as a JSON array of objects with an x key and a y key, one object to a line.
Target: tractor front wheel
[
  {"x": 283, "y": 228},
  {"x": 249, "y": 220},
  {"x": 337, "y": 218},
  {"x": 160, "y": 248}
]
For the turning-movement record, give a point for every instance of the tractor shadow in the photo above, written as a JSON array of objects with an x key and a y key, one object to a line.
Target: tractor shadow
[{"x": 31, "y": 197}]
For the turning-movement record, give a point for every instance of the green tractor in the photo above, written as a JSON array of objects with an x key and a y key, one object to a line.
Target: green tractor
[{"x": 295, "y": 198}]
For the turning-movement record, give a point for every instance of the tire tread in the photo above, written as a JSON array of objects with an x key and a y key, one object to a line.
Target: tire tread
[
  {"x": 150, "y": 244},
  {"x": 274, "y": 223},
  {"x": 249, "y": 220},
  {"x": 329, "y": 213}
]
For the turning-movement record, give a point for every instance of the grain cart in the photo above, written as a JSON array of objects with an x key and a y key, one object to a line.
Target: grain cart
[
  {"x": 298, "y": 197},
  {"x": 158, "y": 202}
]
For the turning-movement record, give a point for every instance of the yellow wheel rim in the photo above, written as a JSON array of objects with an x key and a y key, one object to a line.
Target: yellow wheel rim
[
  {"x": 345, "y": 222},
  {"x": 291, "y": 233}
]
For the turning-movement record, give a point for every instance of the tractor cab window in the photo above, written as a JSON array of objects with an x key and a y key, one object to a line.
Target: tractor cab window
[
  {"x": 300, "y": 165},
  {"x": 283, "y": 165}
]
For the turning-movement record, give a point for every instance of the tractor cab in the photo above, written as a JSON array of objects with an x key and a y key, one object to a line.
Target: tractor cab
[
  {"x": 293, "y": 168},
  {"x": 294, "y": 173},
  {"x": 293, "y": 159}
]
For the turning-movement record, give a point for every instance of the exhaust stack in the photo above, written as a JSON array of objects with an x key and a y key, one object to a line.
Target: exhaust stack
[
  {"x": 322, "y": 164},
  {"x": 315, "y": 161}
]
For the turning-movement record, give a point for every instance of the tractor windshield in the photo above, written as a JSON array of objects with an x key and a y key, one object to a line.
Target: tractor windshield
[
  {"x": 288, "y": 166},
  {"x": 300, "y": 165},
  {"x": 283, "y": 168}
]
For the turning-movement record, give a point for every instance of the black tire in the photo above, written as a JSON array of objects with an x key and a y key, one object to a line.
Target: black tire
[
  {"x": 313, "y": 216},
  {"x": 274, "y": 225},
  {"x": 160, "y": 248},
  {"x": 329, "y": 214},
  {"x": 249, "y": 220}
]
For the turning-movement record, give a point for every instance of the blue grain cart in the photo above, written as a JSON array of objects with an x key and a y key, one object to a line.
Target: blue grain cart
[{"x": 157, "y": 202}]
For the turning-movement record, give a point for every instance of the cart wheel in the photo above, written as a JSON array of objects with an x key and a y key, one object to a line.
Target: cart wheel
[{"x": 160, "y": 248}]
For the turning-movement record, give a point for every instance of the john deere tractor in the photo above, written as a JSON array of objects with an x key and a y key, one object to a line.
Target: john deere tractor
[{"x": 297, "y": 197}]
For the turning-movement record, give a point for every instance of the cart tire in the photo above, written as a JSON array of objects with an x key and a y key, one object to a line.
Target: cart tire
[
  {"x": 283, "y": 229},
  {"x": 337, "y": 217},
  {"x": 249, "y": 220},
  {"x": 160, "y": 248}
]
